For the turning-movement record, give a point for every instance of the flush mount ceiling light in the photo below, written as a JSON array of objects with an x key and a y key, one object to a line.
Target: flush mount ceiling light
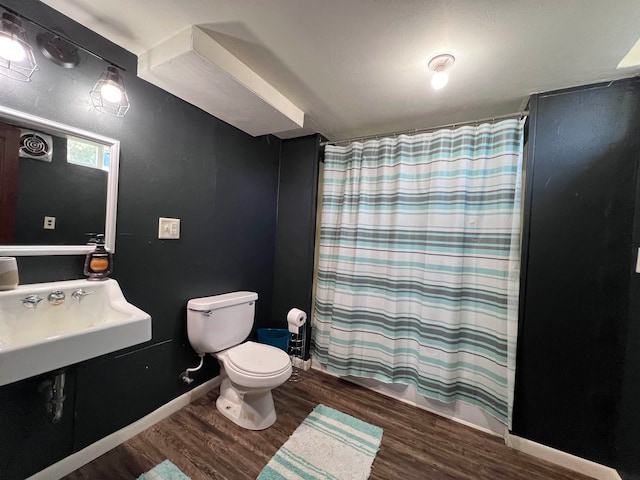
[
  {"x": 109, "y": 95},
  {"x": 439, "y": 65},
  {"x": 16, "y": 55}
]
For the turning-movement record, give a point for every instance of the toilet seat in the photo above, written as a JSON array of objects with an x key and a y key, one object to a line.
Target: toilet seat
[{"x": 257, "y": 360}]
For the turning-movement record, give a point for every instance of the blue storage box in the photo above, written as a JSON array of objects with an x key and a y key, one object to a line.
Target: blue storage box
[{"x": 278, "y": 337}]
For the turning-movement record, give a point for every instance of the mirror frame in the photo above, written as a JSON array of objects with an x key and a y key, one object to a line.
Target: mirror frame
[{"x": 27, "y": 120}]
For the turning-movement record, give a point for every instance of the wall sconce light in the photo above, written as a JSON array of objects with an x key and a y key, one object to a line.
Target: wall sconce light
[
  {"x": 16, "y": 55},
  {"x": 109, "y": 95},
  {"x": 17, "y": 61},
  {"x": 439, "y": 65}
]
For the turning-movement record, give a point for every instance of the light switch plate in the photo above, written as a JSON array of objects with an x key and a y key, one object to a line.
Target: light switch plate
[{"x": 168, "y": 228}]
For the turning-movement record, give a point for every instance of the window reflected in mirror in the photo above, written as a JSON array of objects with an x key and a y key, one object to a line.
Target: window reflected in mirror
[{"x": 87, "y": 153}]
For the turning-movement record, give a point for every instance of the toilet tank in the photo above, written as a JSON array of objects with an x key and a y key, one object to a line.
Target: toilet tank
[{"x": 221, "y": 321}]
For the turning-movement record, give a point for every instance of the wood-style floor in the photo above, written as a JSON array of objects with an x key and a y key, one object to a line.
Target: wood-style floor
[{"x": 415, "y": 444}]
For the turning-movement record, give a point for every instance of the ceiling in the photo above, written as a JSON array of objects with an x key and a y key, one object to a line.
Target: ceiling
[{"x": 358, "y": 67}]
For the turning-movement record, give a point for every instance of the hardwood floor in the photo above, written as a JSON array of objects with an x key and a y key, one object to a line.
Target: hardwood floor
[{"x": 415, "y": 444}]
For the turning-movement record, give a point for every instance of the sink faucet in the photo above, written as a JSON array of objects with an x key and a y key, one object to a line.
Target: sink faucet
[
  {"x": 31, "y": 301},
  {"x": 79, "y": 294},
  {"x": 56, "y": 298}
]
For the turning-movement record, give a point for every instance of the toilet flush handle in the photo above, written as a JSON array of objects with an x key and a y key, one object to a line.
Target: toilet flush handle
[{"x": 207, "y": 313}]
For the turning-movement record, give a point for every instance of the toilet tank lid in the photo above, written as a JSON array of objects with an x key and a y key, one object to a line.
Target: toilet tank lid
[{"x": 221, "y": 301}]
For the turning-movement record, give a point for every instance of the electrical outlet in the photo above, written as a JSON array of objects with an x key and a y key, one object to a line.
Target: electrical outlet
[
  {"x": 49, "y": 223},
  {"x": 168, "y": 228}
]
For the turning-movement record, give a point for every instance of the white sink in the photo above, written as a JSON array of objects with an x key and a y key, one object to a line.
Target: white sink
[{"x": 34, "y": 341}]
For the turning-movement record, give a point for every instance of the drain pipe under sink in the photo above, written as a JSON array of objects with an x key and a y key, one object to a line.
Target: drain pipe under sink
[
  {"x": 184, "y": 376},
  {"x": 53, "y": 390}
]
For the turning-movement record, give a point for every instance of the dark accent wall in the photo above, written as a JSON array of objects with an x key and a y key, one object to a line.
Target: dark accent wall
[
  {"x": 628, "y": 428},
  {"x": 295, "y": 236},
  {"x": 176, "y": 161},
  {"x": 578, "y": 260}
]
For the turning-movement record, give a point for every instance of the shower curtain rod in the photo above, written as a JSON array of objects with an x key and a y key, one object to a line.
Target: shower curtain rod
[{"x": 521, "y": 114}]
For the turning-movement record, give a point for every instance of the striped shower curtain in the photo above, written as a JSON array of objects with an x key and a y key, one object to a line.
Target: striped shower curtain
[{"x": 419, "y": 260}]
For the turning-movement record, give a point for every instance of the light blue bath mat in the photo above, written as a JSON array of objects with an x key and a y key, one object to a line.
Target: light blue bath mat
[
  {"x": 164, "y": 471},
  {"x": 327, "y": 445}
]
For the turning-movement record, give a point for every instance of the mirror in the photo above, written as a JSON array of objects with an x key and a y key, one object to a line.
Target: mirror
[{"x": 57, "y": 183}]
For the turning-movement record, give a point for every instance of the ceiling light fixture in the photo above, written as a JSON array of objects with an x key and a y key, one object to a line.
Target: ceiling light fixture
[
  {"x": 439, "y": 65},
  {"x": 109, "y": 95},
  {"x": 16, "y": 55}
]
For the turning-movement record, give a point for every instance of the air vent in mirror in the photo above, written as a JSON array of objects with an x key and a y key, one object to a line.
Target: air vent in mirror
[{"x": 36, "y": 145}]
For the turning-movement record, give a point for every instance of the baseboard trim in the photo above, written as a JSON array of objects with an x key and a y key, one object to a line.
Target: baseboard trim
[
  {"x": 300, "y": 363},
  {"x": 577, "y": 464},
  {"x": 73, "y": 462}
]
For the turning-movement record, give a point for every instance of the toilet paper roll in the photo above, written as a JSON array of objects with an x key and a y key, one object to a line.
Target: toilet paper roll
[
  {"x": 295, "y": 319},
  {"x": 8, "y": 273}
]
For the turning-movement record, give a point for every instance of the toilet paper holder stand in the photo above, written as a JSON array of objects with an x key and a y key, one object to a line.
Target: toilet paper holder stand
[{"x": 297, "y": 351}]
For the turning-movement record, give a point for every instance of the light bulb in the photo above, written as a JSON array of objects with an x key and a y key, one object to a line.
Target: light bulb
[
  {"x": 111, "y": 93},
  {"x": 11, "y": 50},
  {"x": 440, "y": 79}
]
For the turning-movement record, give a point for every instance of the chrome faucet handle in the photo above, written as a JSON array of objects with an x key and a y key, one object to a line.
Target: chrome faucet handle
[
  {"x": 79, "y": 294},
  {"x": 32, "y": 301},
  {"x": 56, "y": 298}
]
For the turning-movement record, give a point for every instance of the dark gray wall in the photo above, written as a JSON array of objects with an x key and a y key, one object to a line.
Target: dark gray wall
[
  {"x": 578, "y": 262},
  {"x": 295, "y": 237},
  {"x": 176, "y": 161},
  {"x": 628, "y": 429}
]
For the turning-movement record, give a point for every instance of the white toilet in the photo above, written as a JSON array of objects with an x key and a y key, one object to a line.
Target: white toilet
[{"x": 218, "y": 325}]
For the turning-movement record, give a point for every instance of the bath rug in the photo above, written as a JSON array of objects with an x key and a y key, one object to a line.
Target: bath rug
[
  {"x": 164, "y": 471},
  {"x": 328, "y": 444}
]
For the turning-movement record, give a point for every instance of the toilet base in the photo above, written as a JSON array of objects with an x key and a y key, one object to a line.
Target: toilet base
[{"x": 253, "y": 411}]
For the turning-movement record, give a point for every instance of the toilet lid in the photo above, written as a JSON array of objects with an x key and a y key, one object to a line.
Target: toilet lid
[{"x": 258, "y": 359}]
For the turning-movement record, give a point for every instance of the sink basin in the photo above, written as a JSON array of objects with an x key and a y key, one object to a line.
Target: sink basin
[{"x": 34, "y": 341}]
